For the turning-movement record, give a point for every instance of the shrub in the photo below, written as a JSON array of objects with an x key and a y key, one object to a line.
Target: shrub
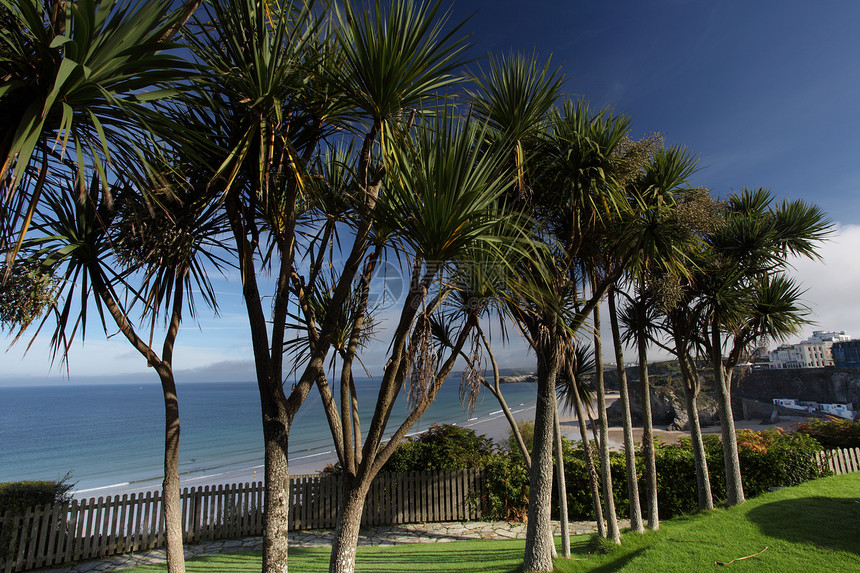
[
  {"x": 598, "y": 545},
  {"x": 676, "y": 479},
  {"x": 19, "y": 496},
  {"x": 507, "y": 482},
  {"x": 445, "y": 447},
  {"x": 774, "y": 458},
  {"x": 527, "y": 430},
  {"x": 579, "y": 503},
  {"x": 771, "y": 458},
  {"x": 832, "y": 432}
]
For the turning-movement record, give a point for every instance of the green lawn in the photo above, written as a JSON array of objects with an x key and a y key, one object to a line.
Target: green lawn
[{"x": 811, "y": 527}]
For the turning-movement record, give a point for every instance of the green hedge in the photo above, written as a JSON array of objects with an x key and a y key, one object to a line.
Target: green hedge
[
  {"x": 20, "y": 495},
  {"x": 771, "y": 458},
  {"x": 441, "y": 447},
  {"x": 17, "y": 497}
]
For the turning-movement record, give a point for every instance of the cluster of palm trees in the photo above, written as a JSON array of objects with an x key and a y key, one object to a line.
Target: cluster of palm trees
[{"x": 146, "y": 146}]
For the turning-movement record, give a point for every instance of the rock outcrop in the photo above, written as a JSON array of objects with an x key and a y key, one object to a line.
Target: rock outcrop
[
  {"x": 667, "y": 408},
  {"x": 823, "y": 385}
]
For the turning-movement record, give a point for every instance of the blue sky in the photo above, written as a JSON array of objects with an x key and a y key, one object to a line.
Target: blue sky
[{"x": 765, "y": 93}]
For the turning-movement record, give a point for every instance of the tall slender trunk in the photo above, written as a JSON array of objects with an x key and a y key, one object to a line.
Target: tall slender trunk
[
  {"x": 636, "y": 524},
  {"x": 648, "y": 437},
  {"x": 496, "y": 390},
  {"x": 539, "y": 542},
  {"x": 593, "y": 480},
  {"x": 691, "y": 392},
  {"x": 605, "y": 469},
  {"x": 170, "y": 485},
  {"x": 734, "y": 485},
  {"x": 562, "y": 490},
  {"x": 172, "y": 504}
]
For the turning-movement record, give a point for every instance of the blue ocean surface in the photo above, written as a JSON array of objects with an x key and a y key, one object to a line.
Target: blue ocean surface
[{"x": 114, "y": 434}]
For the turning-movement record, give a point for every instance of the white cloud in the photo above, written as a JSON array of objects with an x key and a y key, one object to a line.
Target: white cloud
[{"x": 832, "y": 284}]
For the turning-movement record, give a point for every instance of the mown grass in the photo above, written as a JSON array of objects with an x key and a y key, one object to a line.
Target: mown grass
[
  {"x": 482, "y": 556},
  {"x": 811, "y": 527}
]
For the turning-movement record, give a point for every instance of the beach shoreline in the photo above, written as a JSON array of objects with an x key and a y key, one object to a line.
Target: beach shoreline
[{"x": 494, "y": 426}]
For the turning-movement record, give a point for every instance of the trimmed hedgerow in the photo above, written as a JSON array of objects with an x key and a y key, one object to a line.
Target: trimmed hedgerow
[
  {"x": 771, "y": 458},
  {"x": 18, "y": 496}
]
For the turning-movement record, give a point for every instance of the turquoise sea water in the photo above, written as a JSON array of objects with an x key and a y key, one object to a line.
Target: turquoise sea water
[{"x": 113, "y": 434}]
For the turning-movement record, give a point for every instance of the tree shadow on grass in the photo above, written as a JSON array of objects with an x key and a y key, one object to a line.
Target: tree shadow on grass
[
  {"x": 617, "y": 563},
  {"x": 833, "y": 523}
]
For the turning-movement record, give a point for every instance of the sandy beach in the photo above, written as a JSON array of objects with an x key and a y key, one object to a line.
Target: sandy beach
[{"x": 494, "y": 426}]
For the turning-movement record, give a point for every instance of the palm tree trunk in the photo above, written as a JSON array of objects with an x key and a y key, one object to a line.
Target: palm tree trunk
[
  {"x": 172, "y": 504},
  {"x": 691, "y": 391},
  {"x": 593, "y": 480},
  {"x": 539, "y": 542},
  {"x": 496, "y": 391},
  {"x": 605, "y": 470},
  {"x": 648, "y": 437},
  {"x": 170, "y": 485},
  {"x": 562, "y": 490},
  {"x": 636, "y": 524},
  {"x": 734, "y": 485}
]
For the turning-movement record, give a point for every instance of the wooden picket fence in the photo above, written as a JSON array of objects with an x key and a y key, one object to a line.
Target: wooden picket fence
[
  {"x": 92, "y": 528},
  {"x": 841, "y": 461}
]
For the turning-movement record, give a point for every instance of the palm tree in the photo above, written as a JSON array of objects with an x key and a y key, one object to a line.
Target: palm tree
[
  {"x": 95, "y": 248},
  {"x": 577, "y": 189},
  {"x": 673, "y": 297},
  {"x": 629, "y": 450},
  {"x": 656, "y": 239},
  {"x": 514, "y": 97},
  {"x": 282, "y": 81},
  {"x": 440, "y": 206},
  {"x": 575, "y": 395},
  {"x": 746, "y": 293},
  {"x": 612, "y": 530}
]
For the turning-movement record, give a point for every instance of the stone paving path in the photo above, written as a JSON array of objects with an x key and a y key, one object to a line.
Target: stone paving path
[{"x": 382, "y": 536}]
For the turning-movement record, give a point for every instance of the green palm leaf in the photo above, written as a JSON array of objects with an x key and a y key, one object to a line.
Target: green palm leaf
[{"x": 77, "y": 72}]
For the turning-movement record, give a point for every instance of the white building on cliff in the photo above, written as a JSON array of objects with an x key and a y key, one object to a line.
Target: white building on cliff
[{"x": 811, "y": 353}]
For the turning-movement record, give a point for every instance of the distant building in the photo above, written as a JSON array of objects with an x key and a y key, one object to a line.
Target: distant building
[
  {"x": 815, "y": 352},
  {"x": 846, "y": 354}
]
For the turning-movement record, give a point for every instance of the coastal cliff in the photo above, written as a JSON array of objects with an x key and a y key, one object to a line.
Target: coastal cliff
[{"x": 823, "y": 385}]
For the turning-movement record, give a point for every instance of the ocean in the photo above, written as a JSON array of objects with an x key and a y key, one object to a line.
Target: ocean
[{"x": 112, "y": 435}]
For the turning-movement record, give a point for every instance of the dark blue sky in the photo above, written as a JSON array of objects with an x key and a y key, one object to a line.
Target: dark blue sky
[{"x": 764, "y": 92}]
